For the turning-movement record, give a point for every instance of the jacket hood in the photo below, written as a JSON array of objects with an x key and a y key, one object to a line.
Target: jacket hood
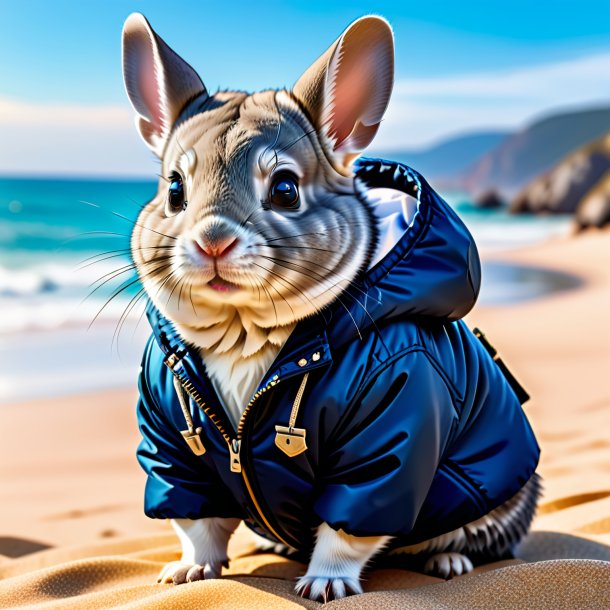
[
  {"x": 426, "y": 265},
  {"x": 429, "y": 265}
]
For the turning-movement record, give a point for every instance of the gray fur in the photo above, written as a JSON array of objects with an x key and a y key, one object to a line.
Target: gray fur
[{"x": 492, "y": 535}]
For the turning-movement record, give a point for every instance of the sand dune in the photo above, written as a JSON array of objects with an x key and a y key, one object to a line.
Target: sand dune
[
  {"x": 74, "y": 536},
  {"x": 122, "y": 575}
]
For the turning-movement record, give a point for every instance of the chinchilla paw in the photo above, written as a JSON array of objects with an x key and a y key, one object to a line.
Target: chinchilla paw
[
  {"x": 325, "y": 589},
  {"x": 179, "y": 572},
  {"x": 448, "y": 565}
]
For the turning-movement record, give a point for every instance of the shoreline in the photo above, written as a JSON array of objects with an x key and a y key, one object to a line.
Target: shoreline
[
  {"x": 87, "y": 359},
  {"x": 70, "y": 474}
]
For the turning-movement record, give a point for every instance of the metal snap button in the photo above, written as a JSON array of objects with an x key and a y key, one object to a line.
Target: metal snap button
[
  {"x": 302, "y": 362},
  {"x": 315, "y": 356}
]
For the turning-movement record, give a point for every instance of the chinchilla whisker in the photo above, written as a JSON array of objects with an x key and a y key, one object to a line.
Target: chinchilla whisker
[
  {"x": 184, "y": 282},
  {"x": 299, "y": 248},
  {"x": 243, "y": 223},
  {"x": 179, "y": 281},
  {"x": 128, "y": 251},
  {"x": 306, "y": 134},
  {"x": 273, "y": 145},
  {"x": 258, "y": 288},
  {"x": 346, "y": 293},
  {"x": 137, "y": 325},
  {"x": 168, "y": 277},
  {"x": 142, "y": 298},
  {"x": 93, "y": 234},
  {"x": 325, "y": 232},
  {"x": 152, "y": 272},
  {"x": 125, "y": 268},
  {"x": 337, "y": 296},
  {"x": 124, "y": 315},
  {"x": 299, "y": 293},
  {"x": 316, "y": 308},
  {"x": 349, "y": 313},
  {"x": 124, "y": 250},
  {"x": 253, "y": 284},
  {"x": 180, "y": 146},
  {"x": 122, "y": 288},
  {"x": 297, "y": 235},
  {"x": 134, "y": 223},
  {"x": 137, "y": 203},
  {"x": 130, "y": 306},
  {"x": 115, "y": 274},
  {"x": 270, "y": 299},
  {"x": 279, "y": 293},
  {"x": 104, "y": 257},
  {"x": 146, "y": 273},
  {"x": 137, "y": 224},
  {"x": 114, "y": 254},
  {"x": 164, "y": 281},
  {"x": 107, "y": 277},
  {"x": 272, "y": 302},
  {"x": 320, "y": 276},
  {"x": 191, "y": 300}
]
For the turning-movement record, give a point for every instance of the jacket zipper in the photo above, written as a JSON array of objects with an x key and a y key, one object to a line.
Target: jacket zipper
[{"x": 234, "y": 445}]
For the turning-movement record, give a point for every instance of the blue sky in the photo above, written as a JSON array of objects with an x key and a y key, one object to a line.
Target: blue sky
[{"x": 460, "y": 66}]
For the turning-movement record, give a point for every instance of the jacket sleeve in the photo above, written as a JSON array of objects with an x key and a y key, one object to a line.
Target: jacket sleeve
[
  {"x": 386, "y": 449},
  {"x": 179, "y": 484}
]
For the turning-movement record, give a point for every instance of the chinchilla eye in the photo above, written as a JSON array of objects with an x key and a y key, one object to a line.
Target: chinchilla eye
[
  {"x": 284, "y": 192},
  {"x": 176, "y": 201}
]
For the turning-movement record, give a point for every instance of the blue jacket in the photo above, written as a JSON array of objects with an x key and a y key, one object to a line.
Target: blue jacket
[{"x": 410, "y": 427}]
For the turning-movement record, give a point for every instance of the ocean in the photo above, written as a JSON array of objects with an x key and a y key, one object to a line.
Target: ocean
[{"x": 62, "y": 241}]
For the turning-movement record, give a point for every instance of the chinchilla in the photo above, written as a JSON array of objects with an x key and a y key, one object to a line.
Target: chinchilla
[{"x": 258, "y": 224}]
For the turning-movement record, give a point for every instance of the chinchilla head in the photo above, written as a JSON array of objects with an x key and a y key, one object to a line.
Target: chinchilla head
[{"x": 255, "y": 210}]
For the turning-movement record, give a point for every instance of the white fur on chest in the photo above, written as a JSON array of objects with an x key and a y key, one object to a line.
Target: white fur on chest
[{"x": 236, "y": 378}]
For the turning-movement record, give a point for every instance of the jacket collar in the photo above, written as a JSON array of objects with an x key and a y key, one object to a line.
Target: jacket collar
[{"x": 306, "y": 349}]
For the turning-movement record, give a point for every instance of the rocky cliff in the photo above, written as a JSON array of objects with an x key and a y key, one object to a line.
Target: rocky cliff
[{"x": 579, "y": 185}]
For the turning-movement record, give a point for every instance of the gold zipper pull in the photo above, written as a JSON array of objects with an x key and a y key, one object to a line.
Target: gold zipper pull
[
  {"x": 190, "y": 435},
  {"x": 234, "y": 449},
  {"x": 289, "y": 439},
  {"x": 193, "y": 440}
]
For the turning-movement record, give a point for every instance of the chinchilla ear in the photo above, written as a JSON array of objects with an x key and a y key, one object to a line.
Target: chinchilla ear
[
  {"x": 347, "y": 90},
  {"x": 159, "y": 83}
]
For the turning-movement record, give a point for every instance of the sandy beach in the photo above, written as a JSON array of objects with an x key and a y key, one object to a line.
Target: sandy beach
[
  {"x": 559, "y": 348},
  {"x": 70, "y": 479}
]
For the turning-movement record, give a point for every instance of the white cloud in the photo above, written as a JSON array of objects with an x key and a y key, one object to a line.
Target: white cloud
[
  {"x": 587, "y": 75},
  {"x": 73, "y": 138},
  {"x": 14, "y": 112},
  {"x": 423, "y": 110}
]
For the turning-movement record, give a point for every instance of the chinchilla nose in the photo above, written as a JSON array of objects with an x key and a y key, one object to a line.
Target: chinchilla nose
[
  {"x": 218, "y": 247},
  {"x": 216, "y": 237}
]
